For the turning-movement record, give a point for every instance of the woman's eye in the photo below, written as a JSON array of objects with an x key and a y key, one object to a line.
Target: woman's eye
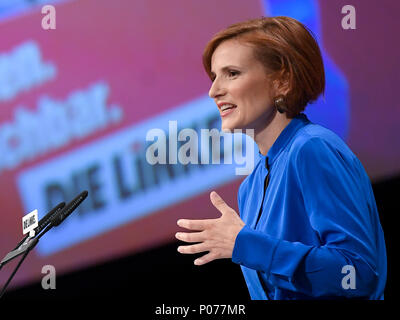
[{"x": 233, "y": 73}]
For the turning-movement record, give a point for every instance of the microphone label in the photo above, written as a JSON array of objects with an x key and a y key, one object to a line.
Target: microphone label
[{"x": 30, "y": 221}]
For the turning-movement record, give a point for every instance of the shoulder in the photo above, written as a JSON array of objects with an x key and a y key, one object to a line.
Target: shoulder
[{"x": 315, "y": 142}]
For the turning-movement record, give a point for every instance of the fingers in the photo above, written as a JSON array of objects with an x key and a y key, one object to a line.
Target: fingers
[
  {"x": 219, "y": 203},
  {"x": 190, "y": 237},
  {"x": 195, "y": 248},
  {"x": 198, "y": 225},
  {"x": 205, "y": 259}
]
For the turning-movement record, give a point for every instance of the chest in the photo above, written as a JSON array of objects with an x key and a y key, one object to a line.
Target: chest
[{"x": 277, "y": 209}]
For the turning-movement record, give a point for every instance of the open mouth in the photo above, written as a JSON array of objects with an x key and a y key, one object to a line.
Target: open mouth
[{"x": 227, "y": 108}]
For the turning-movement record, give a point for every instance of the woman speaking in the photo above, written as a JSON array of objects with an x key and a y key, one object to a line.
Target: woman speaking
[{"x": 308, "y": 226}]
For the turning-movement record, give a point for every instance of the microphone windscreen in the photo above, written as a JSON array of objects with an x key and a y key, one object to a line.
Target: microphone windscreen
[
  {"x": 69, "y": 208},
  {"x": 47, "y": 218}
]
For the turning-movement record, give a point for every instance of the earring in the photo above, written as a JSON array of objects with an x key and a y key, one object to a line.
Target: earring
[{"x": 280, "y": 104}]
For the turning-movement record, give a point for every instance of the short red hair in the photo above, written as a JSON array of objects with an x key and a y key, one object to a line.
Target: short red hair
[{"x": 287, "y": 49}]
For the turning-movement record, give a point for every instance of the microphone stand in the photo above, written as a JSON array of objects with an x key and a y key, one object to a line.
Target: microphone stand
[
  {"x": 31, "y": 245},
  {"x": 22, "y": 245},
  {"x": 54, "y": 221}
]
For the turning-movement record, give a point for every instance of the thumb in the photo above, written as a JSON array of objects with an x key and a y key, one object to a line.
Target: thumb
[{"x": 219, "y": 203}]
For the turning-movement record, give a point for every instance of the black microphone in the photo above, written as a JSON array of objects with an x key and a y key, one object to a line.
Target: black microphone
[
  {"x": 53, "y": 218},
  {"x": 25, "y": 244},
  {"x": 44, "y": 222},
  {"x": 48, "y": 217},
  {"x": 69, "y": 208}
]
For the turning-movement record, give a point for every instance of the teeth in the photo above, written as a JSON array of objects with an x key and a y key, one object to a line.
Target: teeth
[{"x": 226, "y": 106}]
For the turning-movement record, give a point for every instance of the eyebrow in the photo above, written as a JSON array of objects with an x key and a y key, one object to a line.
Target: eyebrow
[{"x": 225, "y": 69}]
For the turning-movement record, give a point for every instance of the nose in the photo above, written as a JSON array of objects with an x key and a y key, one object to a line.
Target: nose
[{"x": 216, "y": 90}]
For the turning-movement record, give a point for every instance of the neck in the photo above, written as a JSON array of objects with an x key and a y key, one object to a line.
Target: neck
[{"x": 266, "y": 136}]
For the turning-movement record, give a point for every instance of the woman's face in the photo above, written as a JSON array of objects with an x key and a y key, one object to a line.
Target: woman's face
[{"x": 240, "y": 81}]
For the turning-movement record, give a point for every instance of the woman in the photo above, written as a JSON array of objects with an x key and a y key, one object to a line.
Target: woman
[{"x": 308, "y": 226}]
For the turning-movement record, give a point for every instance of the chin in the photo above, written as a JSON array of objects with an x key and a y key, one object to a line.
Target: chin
[{"x": 230, "y": 126}]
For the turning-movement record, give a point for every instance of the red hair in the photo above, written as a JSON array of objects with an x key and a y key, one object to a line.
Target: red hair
[{"x": 288, "y": 51}]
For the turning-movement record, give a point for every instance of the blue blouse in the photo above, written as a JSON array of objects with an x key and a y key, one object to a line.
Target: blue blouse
[{"x": 318, "y": 234}]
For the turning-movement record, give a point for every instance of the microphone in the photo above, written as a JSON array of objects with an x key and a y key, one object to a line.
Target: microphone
[
  {"x": 48, "y": 217},
  {"x": 69, "y": 208},
  {"x": 25, "y": 244},
  {"x": 52, "y": 219},
  {"x": 43, "y": 222}
]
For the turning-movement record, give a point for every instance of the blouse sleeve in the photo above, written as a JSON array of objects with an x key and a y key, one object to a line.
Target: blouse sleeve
[{"x": 335, "y": 202}]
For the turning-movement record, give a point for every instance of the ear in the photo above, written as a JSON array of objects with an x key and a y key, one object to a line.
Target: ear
[{"x": 281, "y": 84}]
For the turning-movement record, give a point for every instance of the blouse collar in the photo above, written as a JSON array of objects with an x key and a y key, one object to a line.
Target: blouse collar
[{"x": 284, "y": 137}]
